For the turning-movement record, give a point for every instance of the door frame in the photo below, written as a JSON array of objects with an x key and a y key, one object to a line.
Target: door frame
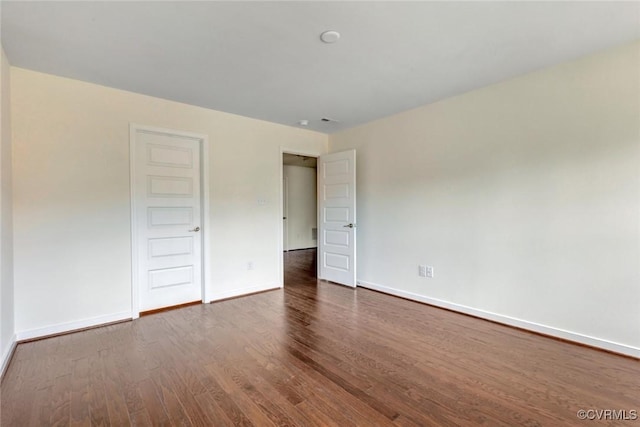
[
  {"x": 134, "y": 128},
  {"x": 285, "y": 212},
  {"x": 298, "y": 152}
]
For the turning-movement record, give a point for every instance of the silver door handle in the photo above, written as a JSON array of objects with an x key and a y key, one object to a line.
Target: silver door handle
[
  {"x": 352, "y": 225},
  {"x": 195, "y": 230}
]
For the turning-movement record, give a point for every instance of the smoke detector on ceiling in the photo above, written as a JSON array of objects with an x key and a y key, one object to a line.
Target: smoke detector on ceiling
[{"x": 330, "y": 36}]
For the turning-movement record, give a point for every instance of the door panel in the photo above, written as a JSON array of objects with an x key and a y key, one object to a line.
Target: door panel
[
  {"x": 162, "y": 216},
  {"x": 170, "y": 246},
  {"x": 176, "y": 276},
  {"x": 337, "y": 208},
  {"x": 167, "y": 205},
  {"x": 164, "y": 186}
]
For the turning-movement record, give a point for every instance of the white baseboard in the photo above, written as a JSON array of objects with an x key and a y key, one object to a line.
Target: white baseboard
[
  {"x": 511, "y": 321},
  {"x": 72, "y": 326},
  {"x": 232, "y": 293},
  {"x": 6, "y": 356}
]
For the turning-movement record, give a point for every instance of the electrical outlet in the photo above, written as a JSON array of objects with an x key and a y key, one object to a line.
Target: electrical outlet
[
  {"x": 422, "y": 270},
  {"x": 425, "y": 271},
  {"x": 250, "y": 265}
]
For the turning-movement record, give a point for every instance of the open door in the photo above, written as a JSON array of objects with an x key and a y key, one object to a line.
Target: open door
[{"x": 337, "y": 217}]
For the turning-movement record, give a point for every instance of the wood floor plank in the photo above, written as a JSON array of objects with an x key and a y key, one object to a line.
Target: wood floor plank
[
  {"x": 228, "y": 405},
  {"x": 152, "y": 403},
  {"x": 97, "y": 398},
  {"x": 80, "y": 390},
  {"x": 141, "y": 419},
  {"x": 312, "y": 354},
  {"x": 214, "y": 412},
  {"x": 196, "y": 415},
  {"x": 114, "y": 392},
  {"x": 228, "y": 379},
  {"x": 169, "y": 399},
  {"x": 39, "y": 416},
  {"x": 59, "y": 403}
]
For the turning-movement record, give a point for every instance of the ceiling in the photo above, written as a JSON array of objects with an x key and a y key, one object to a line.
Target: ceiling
[{"x": 265, "y": 59}]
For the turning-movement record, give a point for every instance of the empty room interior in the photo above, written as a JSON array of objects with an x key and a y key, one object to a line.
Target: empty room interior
[{"x": 313, "y": 213}]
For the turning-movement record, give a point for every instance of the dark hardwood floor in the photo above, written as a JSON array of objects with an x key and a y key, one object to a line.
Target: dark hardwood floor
[{"x": 313, "y": 354}]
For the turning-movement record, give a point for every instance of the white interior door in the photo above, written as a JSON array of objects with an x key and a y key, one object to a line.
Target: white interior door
[
  {"x": 167, "y": 201},
  {"x": 337, "y": 217}
]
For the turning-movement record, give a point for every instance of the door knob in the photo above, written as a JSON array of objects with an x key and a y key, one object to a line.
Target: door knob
[
  {"x": 195, "y": 230},
  {"x": 352, "y": 225}
]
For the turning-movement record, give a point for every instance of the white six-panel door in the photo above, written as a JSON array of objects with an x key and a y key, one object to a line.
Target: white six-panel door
[
  {"x": 337, "y": 217},
  {"x": 167, "y": 210}
]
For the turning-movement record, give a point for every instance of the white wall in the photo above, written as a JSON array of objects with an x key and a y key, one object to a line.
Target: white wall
[
  {"x": 302, "y": 211},
  {"x": 71, "y": 197},
  {"x": 7, "y": 329},
  {"x": 524, "y": 196}
]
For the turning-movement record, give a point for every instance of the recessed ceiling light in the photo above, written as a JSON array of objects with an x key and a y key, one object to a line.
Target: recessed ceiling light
[
  {"x": 303, "y": 122},
  {"x": 330, "y": 36}
]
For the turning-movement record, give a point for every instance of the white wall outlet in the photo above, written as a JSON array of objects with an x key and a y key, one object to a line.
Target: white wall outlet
[
  {"x": 422, "y": 270},
  {"x": 250, "y": 265},
  {"x": 425, "y": 271}
]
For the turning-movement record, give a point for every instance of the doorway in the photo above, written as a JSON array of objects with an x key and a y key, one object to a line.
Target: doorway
[
  {"x": 300, "y": 219},
  {"x": 335, "y": 259}
]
